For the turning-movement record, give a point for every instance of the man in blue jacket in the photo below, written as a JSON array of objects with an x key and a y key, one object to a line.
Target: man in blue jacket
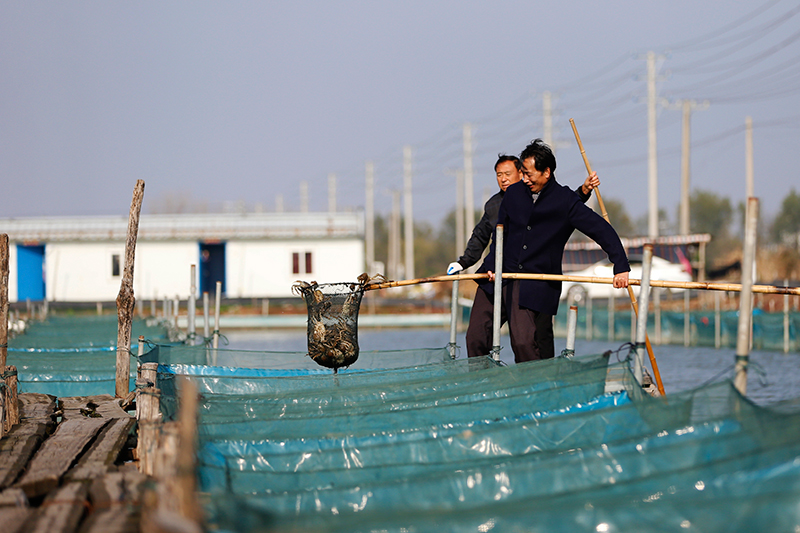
[{"x": 539, "y": 216}]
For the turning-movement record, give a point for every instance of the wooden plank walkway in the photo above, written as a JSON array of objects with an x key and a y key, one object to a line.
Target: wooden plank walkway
[{"x": 60, "y": 467}]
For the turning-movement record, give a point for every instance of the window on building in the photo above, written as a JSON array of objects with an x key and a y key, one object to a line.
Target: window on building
[
  {"x": 295, "y": 263},
  {"x": 115, "y": 265},
  {"x": 308, "y": 263}
]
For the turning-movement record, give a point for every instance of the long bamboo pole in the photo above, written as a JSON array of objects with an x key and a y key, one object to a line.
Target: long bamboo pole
[
  {"x": 630, "y": 289},
  {"x": 666, "y": 284}
]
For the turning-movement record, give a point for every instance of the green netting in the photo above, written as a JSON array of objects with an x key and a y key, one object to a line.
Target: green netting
[
  {"x": 607, "y": 464},
  {"x": 768, "y": 328},
  {"x": 73, "y": 356}
]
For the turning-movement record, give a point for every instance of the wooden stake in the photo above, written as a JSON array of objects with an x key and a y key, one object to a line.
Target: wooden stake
[
  {"x": 630, "y": 290},
  {"x": 125, "y": 298},
  {"x": 4, "y": 415}
]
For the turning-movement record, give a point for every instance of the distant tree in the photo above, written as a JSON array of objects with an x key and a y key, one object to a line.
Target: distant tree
[
  {"x": 786, "y": 226},
  {"x": 712, "y": 214},
  {"x": 619, "y": 217}
]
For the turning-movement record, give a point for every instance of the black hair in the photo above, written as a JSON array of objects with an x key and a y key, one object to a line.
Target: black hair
[
  {"x": 502, "y": 158},
  {"x": 542, "y": 156}
]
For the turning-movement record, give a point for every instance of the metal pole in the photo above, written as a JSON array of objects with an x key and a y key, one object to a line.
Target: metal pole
[
  {"x": 686, "y": 318},
  {"x": 572, "y": 330},
  {"x": 408, "y": 214},
  {"x": 717, "y": 320},
  {"x": 644, "y": 297},
  {"x": 652, "y": 157},
  {"x": 215, "y": 342},
  {"x": 453, "y": 320},
  {"x": 191, "y": 310},
  {"x": 612, "y": 309},
  {"x": 745, "y": 301},
  {"x": 589, "y": 315},
  {"x": 786, "y": 319},
  {"x": 498, "y": 291},
  {"x": 369, "y": 213},
  {"x": 469, "y": 198},
  {"x": 657, "y": 311},
  {"x": 206, "y": 324}
]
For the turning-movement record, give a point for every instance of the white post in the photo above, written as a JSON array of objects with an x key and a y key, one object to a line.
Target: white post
[
  {"x": 644, "y": 298},
  {"x": 460, "y": 232},
  {"x": 717, "y": 320},
  {"x": 612, "y": 309},
  {"x": 572, "y": 330},
  {"x": 589, "y": 315},
  {"x": 191, "y": 309},
  {"x": 176, "y": 309},
  {"x": 206, "y": 323},
  {"x": 748, "y": 157},
  {"x": 408, "y": 214},
  {"x": 498, "y": 292},
  {"x": 745, "y": 301},
  {"x": 786, "y": 319},
  {"x": 215, "y": 342},
  {"x": 686, "y": 318},
  {"x": 453, "y": 319}
]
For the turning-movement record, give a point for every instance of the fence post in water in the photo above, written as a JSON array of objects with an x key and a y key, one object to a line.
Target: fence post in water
[
  {"x": 3, "y": 324},
  {"x": 686, "y": 318},
  {"x": 786, "y": 319},
  {"x": 589, "y": 314},
  {"x": 717, "y": 320},
  {"x": 190, "y": 326},
  {"x": 125, "y": 299},
  {"x": 644, "y": 297},
  {"x": 453, "y": 320},
  {"x": 215, "y": 342},
  {"x": 746, "y": 301},
  {"x": 498, "y": 291},
  {"x": 206, "y": 324},
  {"x": 612, "y": 309},
  {"x": 572, "y": 330}
]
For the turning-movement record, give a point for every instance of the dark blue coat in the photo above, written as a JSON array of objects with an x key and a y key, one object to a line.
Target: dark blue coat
[{"x": 535, "y": 236}]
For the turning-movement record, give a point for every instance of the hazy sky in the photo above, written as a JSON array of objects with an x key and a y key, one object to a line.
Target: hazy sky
[{"x": 240, "y": 102}]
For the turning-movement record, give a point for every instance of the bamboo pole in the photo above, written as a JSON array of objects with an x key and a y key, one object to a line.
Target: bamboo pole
[
  {"x": 666, "y": 284},
  {"x": 125, "y": 299},
  {"x": 630, "y": 289}
]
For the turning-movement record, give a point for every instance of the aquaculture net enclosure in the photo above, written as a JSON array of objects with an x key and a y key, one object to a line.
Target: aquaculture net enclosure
[{"x": 332, "y": 322}]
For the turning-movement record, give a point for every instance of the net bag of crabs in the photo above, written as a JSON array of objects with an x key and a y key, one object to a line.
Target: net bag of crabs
[{"x": 332, "y": 321}]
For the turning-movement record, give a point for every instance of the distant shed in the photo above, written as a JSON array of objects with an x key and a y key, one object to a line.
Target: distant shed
[{"x": 254, "y": 255}]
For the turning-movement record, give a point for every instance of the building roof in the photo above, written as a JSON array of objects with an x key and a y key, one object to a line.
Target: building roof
[{"x": 187, "y": 227}]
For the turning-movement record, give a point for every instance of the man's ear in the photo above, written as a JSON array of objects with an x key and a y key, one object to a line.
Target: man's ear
[{"x": 546, "y": 173}]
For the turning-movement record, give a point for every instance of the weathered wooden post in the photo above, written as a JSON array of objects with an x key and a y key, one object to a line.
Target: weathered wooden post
[
  {"x": 187, "y": 437},
  {"x": 3, "y": 326},
  {"x": 147, "y": 413},
  {"x": 743, "y": 336},
  {"x": 125, "y": 298}
]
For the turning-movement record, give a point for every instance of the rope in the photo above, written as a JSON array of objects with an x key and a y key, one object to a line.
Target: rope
[
  {"x": 569, "y": 354},
  {"x": 8, "y": 374}
]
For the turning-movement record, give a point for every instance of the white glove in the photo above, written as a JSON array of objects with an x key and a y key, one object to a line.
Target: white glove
[{"x": 454, "y": 268}]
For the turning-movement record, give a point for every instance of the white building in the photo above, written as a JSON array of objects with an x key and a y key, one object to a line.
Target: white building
[{"x": 255, "y": 255}]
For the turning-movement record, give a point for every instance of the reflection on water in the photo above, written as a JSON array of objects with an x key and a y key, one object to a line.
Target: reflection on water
[{"x": 773, "y": 376}]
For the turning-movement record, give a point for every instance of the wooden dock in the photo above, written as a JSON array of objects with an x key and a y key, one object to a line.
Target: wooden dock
[{"x": 68, "y": 466}]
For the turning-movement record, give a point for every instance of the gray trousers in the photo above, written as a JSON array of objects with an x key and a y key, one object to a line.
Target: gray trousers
[{"x": 531, "y": 331}]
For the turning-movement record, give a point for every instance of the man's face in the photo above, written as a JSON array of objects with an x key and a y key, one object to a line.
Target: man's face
[
  {"x": 534, "y": 179},
  {"x": 507, "y": 174}
]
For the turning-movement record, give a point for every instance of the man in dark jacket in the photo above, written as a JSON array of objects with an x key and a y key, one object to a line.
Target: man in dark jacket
[
  {"x": 508, "y": 172},
  {"x": 539, "y": 216}
]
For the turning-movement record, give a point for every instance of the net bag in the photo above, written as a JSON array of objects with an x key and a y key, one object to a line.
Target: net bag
[{"x": 332, "y": 321}]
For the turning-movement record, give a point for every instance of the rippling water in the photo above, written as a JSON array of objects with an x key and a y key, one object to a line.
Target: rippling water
[{"x": 773, "y": 376}]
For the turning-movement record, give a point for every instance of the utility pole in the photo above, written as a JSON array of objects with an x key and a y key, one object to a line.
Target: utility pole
[
  {"x": 369, "y": 208},
  {"x": 547, "y": 112},
  {"x": 304, "y": 197},
  {"x": 408, "y": 213},
  {"x": 331, "y": 193},
  {"x": 686, "y": 106},
  {"x": 652, "y": 157},
  {"x": 279, "y": 203},
  {"x": 469, "y": 199},
  {"x": 394, "y": 237},
  {"x": 748, "y": 156},
  {"x": 460, "y": 233}
]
